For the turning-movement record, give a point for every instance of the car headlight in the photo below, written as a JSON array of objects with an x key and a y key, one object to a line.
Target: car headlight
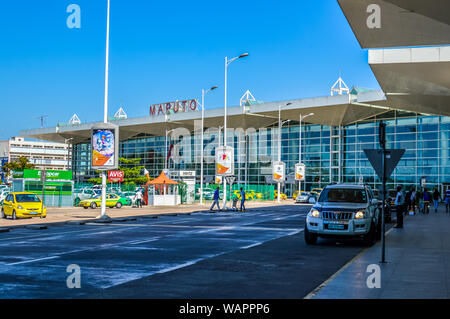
[
  {"x": 314, "y": 213},
  {"x": 19, "y": 207},
  {"x": 359, "y": 215}
]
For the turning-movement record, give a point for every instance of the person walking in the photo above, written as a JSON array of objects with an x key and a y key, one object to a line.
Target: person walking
[
  {"x": 242, "y": 200},
  {"x": 436, "y": 199},
  {"x": 413, "y": 200},
  {"x": 426, "y": 201},
  {"x": 399, "y": 206},
  {"x": 447, "y": 201},
  {"x": 407, "y": 207},
  {"x": 216, "y": 199},
  {"x": 138, "y": 199}
]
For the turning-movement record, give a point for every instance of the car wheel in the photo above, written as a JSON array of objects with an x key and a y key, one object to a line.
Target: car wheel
[
  {"x": 310, "y": 238},
  {"x": 371, "y": 237},
  {"x": 93, "y": 205},
  {"x": 118, "y": 205},
  {"x": 85, "y": 207},
  {"x": 14, "y": 216}
]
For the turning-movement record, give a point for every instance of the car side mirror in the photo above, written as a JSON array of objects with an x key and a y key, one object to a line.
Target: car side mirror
[
  {"x": 374, "y": 201},
  {"x": 312, "y": 200}
]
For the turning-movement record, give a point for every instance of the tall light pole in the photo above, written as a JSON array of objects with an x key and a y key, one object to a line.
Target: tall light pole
[
  {"x": 227, "y": 63},
  {"x": 105, "y": 111},
  {"x": 66, "y": 141},
  {"x": 280, "y": 125},
  {"x": 201, "y": 143},
  {"x": 300, "y": 146}
]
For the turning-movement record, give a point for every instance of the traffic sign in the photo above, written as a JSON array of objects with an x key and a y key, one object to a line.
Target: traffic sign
[
  {"x": 376, "y": 159},
  {"x": 230, "y": 179}
]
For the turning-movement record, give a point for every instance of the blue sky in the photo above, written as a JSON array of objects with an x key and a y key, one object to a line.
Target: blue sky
[{"x": 161, "y": 51}]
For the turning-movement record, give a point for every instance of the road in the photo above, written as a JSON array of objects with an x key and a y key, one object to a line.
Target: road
[{"x": 257, "y": 254}]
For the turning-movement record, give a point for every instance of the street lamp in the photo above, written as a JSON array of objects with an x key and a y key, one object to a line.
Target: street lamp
[
  {"x": 201, "y": 152},
  {"x": 300, "y": 146},
  {"x": 280, "y": 125},
  {"x": 227, "y": 63},
  {"x": 105, "y": 111},
  {"x": 66, "y": 140}
]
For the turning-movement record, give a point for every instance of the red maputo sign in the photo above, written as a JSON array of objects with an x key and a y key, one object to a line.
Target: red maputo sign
[
  {"x": 115, "y": 176},
  {"x": 173, "y": 107}
]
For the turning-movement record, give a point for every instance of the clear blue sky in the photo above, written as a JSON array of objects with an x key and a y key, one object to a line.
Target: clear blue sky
[{"x": 162, "y": 51}]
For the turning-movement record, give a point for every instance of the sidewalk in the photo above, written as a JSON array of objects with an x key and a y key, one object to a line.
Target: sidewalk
[
  {"x": 418, "y": 264},
  {"x": 61, "y": 215}
]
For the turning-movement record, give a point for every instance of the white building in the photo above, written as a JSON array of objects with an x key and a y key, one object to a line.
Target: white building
[{"x": 44, "y": 155}]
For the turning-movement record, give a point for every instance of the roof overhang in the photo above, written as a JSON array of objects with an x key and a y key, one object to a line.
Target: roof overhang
[
  {"x": 414, "y": 79},
  {"x": 330, "y": 110},
  {"x": 404, "y": 23}
]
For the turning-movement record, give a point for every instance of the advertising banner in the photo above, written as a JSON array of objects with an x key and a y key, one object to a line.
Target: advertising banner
[
  {"x": 37, "y": 174},
  {"x": 224, "y": 161},
  {"x": 115, "y": 176},
  {"x": 218, "y": 180},
  {"x": 300, "y": 172},
  {"x": 279, "y": 172},
  {"x": 104, "y": 142}
]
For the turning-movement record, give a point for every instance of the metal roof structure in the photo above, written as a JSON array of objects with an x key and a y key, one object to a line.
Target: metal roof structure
[{"x": 328, "y": 110}]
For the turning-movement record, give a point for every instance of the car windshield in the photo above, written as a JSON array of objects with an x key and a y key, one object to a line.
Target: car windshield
[
  {"x": 27, "y": 198},
  {"x": 343, "y": 195}
]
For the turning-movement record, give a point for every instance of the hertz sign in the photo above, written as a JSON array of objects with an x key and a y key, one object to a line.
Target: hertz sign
[{"x": 173, "y": 107}]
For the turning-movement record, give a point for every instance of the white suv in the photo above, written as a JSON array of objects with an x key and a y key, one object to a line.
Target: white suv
[{"x": 344, "y": 210}]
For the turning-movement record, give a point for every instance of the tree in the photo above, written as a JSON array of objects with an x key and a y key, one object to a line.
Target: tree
[
  {"x": 131, "y": 175},
  {"x": 20, "y": 164}
]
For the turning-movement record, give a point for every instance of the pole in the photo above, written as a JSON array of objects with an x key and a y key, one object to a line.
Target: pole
[
  {"x": 225, "y": 133},
  {"x": 201, "y": 148},
  {"x": 300, "y": 152},
  {"x": 279, "y": 148},
  {"x": 105, "y": 113},
  {"x": 382, "y": 138},
  {"x": 165, "y": 147}
]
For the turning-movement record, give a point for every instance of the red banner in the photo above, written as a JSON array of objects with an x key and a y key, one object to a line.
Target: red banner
[{"x": 115, "y": 176}]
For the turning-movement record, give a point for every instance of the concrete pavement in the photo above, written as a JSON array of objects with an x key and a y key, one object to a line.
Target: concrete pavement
[{"x": 418, "y": 260}]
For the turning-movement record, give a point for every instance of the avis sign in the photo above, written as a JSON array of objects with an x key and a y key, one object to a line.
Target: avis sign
[{"x": 115, "y": 176}]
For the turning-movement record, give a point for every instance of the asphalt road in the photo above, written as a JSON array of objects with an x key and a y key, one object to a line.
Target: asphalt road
[{"x": 257, "y": 254}]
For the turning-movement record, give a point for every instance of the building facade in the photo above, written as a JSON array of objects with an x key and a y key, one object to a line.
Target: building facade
[
  {"x": 330, "y": 153},
  {"x": 44, "y": 155}
]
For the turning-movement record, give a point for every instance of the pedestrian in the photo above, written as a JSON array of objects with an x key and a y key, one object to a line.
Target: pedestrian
[
  {"x": 216, "y": 199},
  {"x": 436, "y": 199},
  {"x": 419, "y": 200},
  {"x": 399, "y": 206},
  {"x": 447, "y": 201},
  {"x": 413, "y": 200},
  {"x": 242, "y": 200},
  {"x": 407, "y": 202},
  {"x": 138, "y": 199},
  {"x": 235, "y": 199},
  {"x": 426, "y": 201}
]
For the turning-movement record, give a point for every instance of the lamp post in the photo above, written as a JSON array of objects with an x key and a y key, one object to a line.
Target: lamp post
[
  {"x": 201, "y": 145},
  {"x": 105, "y": 111},
  {"x": 280, "y": 125},
  {"x": 300, "y": 146},
  {"x": 66, "y": 140},
  {"x": 166, "y": 160},
  {"x": 227, "y": 63}
]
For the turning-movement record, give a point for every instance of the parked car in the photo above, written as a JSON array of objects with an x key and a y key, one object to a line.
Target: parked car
[
  {"x": 23, "y": 205},
  {"x": 282, "y": 195},
  {"x": 304, "y": 197},
  {"x": 344, "y": 210},
  {"x": 112, "y": 200}
]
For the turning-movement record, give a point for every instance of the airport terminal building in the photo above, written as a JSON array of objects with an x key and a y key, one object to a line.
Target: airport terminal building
[{"x": 411, "y": 67}]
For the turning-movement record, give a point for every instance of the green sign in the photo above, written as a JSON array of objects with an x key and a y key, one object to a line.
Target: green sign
[
  {"x": 51, "y": 188},
  {"x": 36, "y": 174}
]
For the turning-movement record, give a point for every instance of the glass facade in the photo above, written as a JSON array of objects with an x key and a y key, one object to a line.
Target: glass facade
[{"x": 330, "y": 153}]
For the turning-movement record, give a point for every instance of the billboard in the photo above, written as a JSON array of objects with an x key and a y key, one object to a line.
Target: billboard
[
  {"x": 300, "y": 172},
  {"x": 224, "y": 161},
  {"x": 105, "y": 150},
  {"x": 279, "y": 172}
]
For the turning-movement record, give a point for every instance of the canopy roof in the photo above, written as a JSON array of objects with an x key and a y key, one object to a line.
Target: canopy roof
[
  {"x": 404, "y": 23},
  {"x": 162, "y": 179}
]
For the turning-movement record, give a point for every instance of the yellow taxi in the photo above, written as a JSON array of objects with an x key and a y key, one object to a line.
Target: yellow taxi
[
  {"x": 282, "y": 195},
  {"x": 23, "y": 205}
]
